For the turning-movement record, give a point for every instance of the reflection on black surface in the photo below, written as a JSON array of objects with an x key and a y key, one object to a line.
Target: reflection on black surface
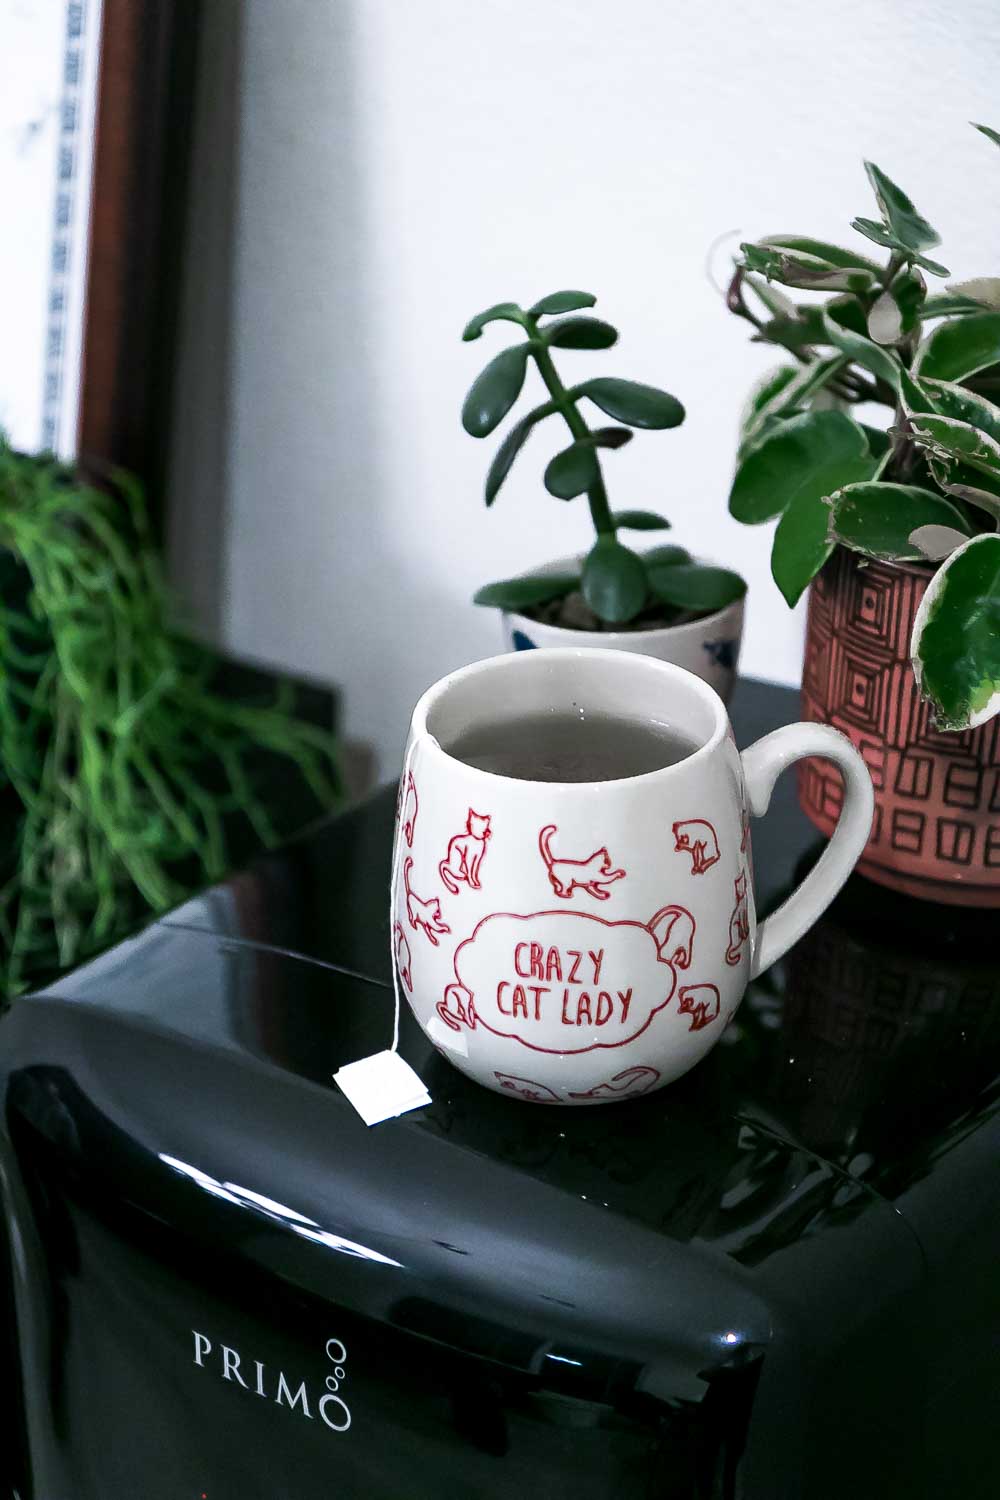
[
  {"x": 697, "y": 1176},
  {"x": 889, "y": 1032}
]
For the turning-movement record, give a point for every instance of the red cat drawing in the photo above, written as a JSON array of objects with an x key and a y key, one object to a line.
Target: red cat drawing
[
  {"x": 540, "y": 1093},
  {"x": 700, "y": 1002},
  {"x": 628, "y": 1084},
  {"x": 673, "y": 929},
  {"x": 403, "y": 959},
  {"x": 456, "y": 1009},
  {"x": 421, "y": 913},
  {"x": 465, "y": 853},
  {"x": 408, "y": 808},
  {"x": 566, "y": 875},
  {"x": 739, "y": 922},
  {"x": 697, "y": 838}
]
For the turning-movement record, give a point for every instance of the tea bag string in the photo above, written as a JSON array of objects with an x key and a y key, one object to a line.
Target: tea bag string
[{"x": 397, "y": 855}]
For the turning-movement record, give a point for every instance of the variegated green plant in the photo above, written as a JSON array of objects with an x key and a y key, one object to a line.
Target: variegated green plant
[
  {"x": 922, "y": 487},
  {"x": 617, "y": 584}
]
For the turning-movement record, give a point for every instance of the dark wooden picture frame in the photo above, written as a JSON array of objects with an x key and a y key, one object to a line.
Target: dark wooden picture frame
[{"x": 141, "y": 175}]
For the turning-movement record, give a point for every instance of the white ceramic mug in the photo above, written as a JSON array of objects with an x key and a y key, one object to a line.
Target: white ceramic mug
[{"x": 573, "y": 943}]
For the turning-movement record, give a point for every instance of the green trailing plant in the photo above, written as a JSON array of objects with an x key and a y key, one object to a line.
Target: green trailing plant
[
  {"x": 122, "y": 768},
  {"x": 924, "y": 487},
  {"x": 619, "y": 586}
]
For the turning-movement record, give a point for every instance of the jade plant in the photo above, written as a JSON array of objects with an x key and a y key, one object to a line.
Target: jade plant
[
  {"x": 614, "y": 587},
  {"x": 923, "y": 486}
]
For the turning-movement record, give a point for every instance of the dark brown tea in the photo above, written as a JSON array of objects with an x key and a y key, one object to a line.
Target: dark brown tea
[{"x": 576, "y": 746}]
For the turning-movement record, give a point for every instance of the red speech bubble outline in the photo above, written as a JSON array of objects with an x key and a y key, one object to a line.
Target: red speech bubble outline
[{"x": 458, "y": 1007}]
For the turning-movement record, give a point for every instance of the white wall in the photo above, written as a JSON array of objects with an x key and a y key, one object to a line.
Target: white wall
[{"x": 403, "y": 163}]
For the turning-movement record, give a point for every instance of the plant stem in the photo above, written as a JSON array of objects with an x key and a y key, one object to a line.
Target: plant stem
[
  {"x": 896, "y": 261},
  {"x": 597, "y": 495}
]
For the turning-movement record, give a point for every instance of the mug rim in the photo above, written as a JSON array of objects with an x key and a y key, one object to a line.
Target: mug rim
[{"x": 524, "y": 661}]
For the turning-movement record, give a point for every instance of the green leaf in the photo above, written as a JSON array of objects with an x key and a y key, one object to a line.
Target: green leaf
[
  {"x": 978, "y": 487},
  {"x": 776, "y": 303},
  {"x": 878, "y": 519},
  {"x": 522, "y": 593},
  {"x": 950, "y": 304},
  {"x": 988, "y": 132},
  {"x": 573, "y": 471},
  {"x": 807, "y": 458},
  {"x": 956, "y": 439},
  {"x": 614, "y": 582},
  {"x": 883, "y": 365},
  {"x": 494, "y": 391},
  {"x": 795, "y": 333},
  {"x": 834, "y": 255},
  {"x": 956, "y": 636},
  {"x": 665, "y": 557},
  {"x": 902, "y": 218},
  {"x": 847, "y": 311},
  {"x": 878, "y": 439},
  {"x": 934, "y": 266},
  {"x": 806, "y": 327},
  {"x": 910, "y": 292},
  {"x": 768, "y": 427},
  {"x": 912, "y": 394},
  {"x": 801, "y": 545},
  {"x": 766, "y": 388},
  {"x": 799, "y": 269},
  {"x": 959, "y": 348},
  {"x": 949, "y": 472},
  {"x": 695, "y": 586},
  {"x": 873, "y": 230},
  {"x": 580, "y": 333},
  {"x": 511, "y": 447},
  {"x": 981, "y": 292},
  {"x": 628, "y": 401},
  {"x": 562, "y": 302},
  {"x": 500, "y": 312},
  {"x": 640, "y": 520},
  {"x": 965, "y": 406},
  {"x": 608, "y": 437},
  {"x": 796, "y": 392}
]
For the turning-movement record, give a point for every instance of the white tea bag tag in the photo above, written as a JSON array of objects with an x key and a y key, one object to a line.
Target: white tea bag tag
[{"x": 381, "y": 1086}]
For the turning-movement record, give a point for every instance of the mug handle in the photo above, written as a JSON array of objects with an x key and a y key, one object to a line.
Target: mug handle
[{"x": 763, "y": 763}]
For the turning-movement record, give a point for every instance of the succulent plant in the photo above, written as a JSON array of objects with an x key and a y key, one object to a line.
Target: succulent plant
[
  {"x": 617, "y": 584},
  {"x": 926, "y": 487}
]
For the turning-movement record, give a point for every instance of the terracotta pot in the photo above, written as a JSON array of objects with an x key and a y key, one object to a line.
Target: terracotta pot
[
  {"x": 936, "y": 833},
  {"x": 709, "y": 647}
]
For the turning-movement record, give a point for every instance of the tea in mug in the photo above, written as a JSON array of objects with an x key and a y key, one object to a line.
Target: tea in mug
[{"x": 570, "y": 747}]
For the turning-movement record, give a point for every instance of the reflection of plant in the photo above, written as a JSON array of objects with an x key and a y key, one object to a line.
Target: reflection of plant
[
  {"x": 123, "y": 768},
  {"x": 929, "y": 488},
  {"x": 617, "y": 583}
]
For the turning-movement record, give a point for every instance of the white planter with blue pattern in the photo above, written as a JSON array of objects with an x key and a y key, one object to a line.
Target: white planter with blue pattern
[{"x": 710, "y": 647}]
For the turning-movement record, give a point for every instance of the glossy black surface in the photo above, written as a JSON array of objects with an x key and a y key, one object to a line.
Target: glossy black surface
[{"x": 776, "y": 1278}]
